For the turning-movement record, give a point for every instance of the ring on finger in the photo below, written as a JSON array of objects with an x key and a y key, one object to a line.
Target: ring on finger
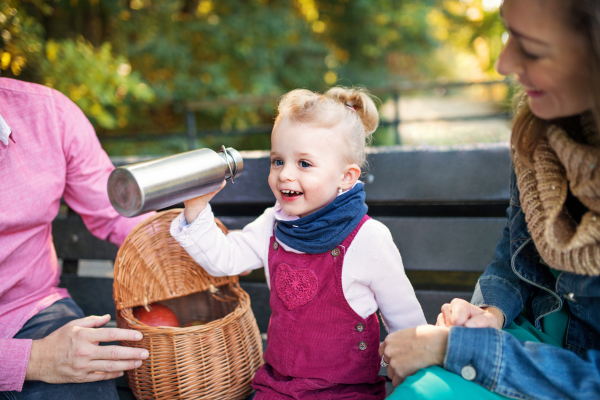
[{"x": 383, "y": 363}]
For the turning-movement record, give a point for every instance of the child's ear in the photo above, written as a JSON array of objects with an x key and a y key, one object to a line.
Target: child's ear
[{"x": 351, "y": 175}]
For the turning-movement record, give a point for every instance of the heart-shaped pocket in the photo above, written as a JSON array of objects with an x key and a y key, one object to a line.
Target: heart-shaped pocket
[{"x": 295, "y": 288}]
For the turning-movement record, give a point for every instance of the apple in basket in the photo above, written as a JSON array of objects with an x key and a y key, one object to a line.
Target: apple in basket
[{"x": 156, "y": 315}]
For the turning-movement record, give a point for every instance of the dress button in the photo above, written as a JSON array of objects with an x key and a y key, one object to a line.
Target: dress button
[
  {"x": 362, "y": 345},
  {"x": 468, "y": 372},
  {"x": 335, "y": 252},
  {"x": 360, "y": 327},
  {"x": 275, "y": 245}
]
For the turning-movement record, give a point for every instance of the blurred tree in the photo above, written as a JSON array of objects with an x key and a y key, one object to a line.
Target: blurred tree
[
  {"x": 470, "y": 33},
  {"x": 100, "y": 83},
  {"x": 94, "y": 79},
  {"x": 132, "y": 64},
  {"x": 21, "y": 38}
]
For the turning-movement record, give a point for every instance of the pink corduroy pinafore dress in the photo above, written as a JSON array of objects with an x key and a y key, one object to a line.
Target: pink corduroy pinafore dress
[{"x": 318, "y": 346}]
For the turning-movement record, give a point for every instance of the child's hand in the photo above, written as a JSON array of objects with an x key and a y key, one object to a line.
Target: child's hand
[
  {"x": 193, "y": 207},
  {"x": 462, "y": 313}
]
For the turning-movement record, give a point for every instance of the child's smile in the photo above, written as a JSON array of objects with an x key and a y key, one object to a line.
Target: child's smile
[
  {"x": 307, "y": 169},
  {"x": 290, "y": 195}
]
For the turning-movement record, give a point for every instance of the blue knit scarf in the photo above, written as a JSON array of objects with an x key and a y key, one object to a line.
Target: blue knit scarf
[{"x": 325, "y": 229}]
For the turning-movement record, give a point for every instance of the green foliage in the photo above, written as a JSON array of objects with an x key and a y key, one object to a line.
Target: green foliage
[
  {"x": 234, "y": 48},
  {"x": 132, "y": 65},
  {"x": 102, "y": 85},
  {"x": 373, "y": 42},
  {"x": 20, "y": 37}
]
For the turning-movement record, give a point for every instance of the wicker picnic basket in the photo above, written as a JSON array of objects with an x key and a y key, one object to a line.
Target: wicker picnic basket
[{"x": 212, "y": 361}]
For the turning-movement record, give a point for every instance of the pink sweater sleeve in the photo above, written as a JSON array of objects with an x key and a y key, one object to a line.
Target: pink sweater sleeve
[
  {"x": 14, "y": 357},
  {"x": 88, "y": 168}
]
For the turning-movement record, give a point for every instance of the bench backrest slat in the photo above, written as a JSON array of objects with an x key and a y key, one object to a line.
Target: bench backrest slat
[
  {"x": 73, "y": 241},
  {"x": 399, "y": 176}
]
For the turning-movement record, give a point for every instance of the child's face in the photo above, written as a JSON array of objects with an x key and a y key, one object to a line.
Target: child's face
[{"x": 307, "y": 169}]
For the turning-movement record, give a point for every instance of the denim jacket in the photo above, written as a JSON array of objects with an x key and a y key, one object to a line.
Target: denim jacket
[{"x": 516, "y": 279}]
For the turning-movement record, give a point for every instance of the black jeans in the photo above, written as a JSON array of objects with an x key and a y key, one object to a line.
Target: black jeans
[{"x": 41, "y": 325}]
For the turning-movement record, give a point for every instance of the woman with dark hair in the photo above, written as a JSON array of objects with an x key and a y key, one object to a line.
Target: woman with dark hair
[{"x": 532, "y": 329}]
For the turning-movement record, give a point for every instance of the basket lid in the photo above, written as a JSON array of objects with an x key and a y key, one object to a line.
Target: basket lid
[{"x": 151, "y": 266}]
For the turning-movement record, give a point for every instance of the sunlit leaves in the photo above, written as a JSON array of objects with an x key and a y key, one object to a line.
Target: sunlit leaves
[
  {"x": 474, "y": 34},
  {"x": 20, "y": 40},
  {"x": 97, "y": 81},
  {"x": 186, "y": 50}
]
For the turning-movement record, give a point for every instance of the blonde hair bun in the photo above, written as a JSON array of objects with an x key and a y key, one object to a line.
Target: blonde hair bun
[{"x": 360, "y": 100}]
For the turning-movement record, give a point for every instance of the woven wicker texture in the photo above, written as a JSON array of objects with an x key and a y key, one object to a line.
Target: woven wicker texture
[
  {"x": 212, "y": 361},
  {"x": 151, "y": 266}
]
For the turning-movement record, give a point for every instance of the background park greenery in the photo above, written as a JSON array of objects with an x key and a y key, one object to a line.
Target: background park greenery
[{"x": 134, "y": 65}]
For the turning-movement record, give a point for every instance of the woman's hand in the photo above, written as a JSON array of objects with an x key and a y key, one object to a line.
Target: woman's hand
[
  {"x": 71, "y": 354},
  {"x": 462, "y": 313},
  {"x": 408, "y": 350},
  {"x": 193, "y": 207}
]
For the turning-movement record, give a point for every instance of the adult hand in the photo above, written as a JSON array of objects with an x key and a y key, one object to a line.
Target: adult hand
[
  {"x": 71, "y": 354},
  {"x": 462, "y": 313},
  {"x": 193, "y": 207},
  {"x": 408, "y": 350}
]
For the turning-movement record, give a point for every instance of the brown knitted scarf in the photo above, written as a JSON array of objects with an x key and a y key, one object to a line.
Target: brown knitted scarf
[{"x": 559, "y": 161}]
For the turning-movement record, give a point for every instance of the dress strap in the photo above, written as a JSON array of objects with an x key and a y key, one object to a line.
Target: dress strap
[{"x": 353, "y": 234}]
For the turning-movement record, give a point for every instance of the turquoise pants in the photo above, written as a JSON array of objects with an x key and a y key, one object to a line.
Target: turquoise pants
[{"x": 437, "y": 383}]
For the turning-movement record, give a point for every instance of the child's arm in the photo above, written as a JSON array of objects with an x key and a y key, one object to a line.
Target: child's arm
[
  {"x": 222, "y": 255},
  {"x": 393, "y": 291},
  {"x": 384, "y": 274}
]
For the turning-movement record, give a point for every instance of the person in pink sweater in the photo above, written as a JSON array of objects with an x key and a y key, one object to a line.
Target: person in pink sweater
[
  {"x": 329, "y": 266},
  {"x": 49, "y": 151}
]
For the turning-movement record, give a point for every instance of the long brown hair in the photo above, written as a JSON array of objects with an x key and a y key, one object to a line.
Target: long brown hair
[{"x": 584, "y": 17}]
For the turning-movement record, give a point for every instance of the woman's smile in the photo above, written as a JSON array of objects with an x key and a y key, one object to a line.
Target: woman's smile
[{"x": 533, "y": 93}]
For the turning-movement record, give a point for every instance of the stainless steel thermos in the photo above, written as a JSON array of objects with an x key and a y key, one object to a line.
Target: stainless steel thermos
[{"x": 151, "y": 185}]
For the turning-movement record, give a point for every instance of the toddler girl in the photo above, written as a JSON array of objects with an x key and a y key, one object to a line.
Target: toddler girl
[{"x": 328, "y": 265}]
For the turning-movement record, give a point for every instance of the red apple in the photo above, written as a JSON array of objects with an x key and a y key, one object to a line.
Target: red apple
[{"x": 158, "y": 315}]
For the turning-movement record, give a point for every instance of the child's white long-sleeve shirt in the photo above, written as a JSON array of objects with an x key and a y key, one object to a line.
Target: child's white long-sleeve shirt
[{"x": 373, "y": 276}]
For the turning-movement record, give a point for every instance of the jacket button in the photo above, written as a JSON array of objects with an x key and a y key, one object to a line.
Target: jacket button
[
  {"x": 275, "y": 245},
  {"x": 468, "y": 372},
  {"x": 360, "y": 327},
  {"x": 362, "y": 345},
  {"x": 335, "y": 252}
]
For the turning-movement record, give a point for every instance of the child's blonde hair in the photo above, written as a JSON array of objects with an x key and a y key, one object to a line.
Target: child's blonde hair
[{"x": 350, "y": 109}]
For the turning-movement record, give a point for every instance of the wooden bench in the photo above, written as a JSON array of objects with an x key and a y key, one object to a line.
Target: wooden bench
[{"x": 444, "y": 207}]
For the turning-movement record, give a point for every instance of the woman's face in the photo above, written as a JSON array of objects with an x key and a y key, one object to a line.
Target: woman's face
[{"x": 548, "y": 57}]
